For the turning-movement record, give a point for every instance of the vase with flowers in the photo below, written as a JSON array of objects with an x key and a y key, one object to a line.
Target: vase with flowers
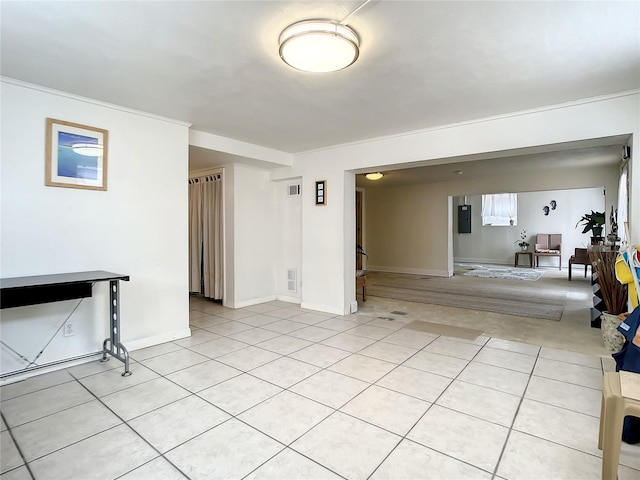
[{"x": 522, "y": 243}]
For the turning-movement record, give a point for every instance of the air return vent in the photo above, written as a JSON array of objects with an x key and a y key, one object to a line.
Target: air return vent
[
  {"x": 293, "y": 190},
  {"x": 292, "y": 280}
]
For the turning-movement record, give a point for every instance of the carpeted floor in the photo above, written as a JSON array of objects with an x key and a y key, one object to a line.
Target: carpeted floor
[{"x": 490, "y": 295}]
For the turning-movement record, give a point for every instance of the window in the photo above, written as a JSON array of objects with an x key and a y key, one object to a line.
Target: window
[{"x": 500, "y": 209}]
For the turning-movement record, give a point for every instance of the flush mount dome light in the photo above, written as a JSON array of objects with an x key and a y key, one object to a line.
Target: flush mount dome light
[
  {"x": 374, "y": 176},
  {"x": 319, "y": 46}
]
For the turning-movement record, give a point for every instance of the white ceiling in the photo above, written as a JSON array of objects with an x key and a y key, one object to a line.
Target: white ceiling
[{"x": 422, "y": 64}]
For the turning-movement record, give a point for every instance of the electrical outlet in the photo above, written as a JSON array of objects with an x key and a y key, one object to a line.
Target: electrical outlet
[{"x": 69, "y": 329}]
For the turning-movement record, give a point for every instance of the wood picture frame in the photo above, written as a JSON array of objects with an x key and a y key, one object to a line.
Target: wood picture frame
[
  {"x": 321, "y": 192},
  {"x": 75, "y": 155}
]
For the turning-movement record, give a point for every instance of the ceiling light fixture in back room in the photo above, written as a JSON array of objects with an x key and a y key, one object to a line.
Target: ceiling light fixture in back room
[
  {"x": 374, "y": 176},
  {"x": 320, "y": 46}
]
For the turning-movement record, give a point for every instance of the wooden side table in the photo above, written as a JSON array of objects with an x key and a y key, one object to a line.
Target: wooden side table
[{"x": 528, "y": 254}]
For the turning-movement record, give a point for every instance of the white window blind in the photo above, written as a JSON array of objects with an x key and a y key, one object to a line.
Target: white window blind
[{"x": 500, "y": 209}]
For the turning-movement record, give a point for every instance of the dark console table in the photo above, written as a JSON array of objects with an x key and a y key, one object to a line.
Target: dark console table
[{"x": 22, "y": 291}]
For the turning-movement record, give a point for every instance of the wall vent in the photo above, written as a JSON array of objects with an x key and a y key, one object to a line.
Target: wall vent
[
  {"x": 292, "y": 284},
  {"x": 293, "y": 190}
]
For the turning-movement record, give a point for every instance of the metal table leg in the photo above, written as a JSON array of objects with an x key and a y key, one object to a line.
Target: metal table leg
[{"x": 115, "y": 348}]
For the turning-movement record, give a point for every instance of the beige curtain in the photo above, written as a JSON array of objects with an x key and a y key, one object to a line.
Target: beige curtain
[{"x": 205, "y": 236}]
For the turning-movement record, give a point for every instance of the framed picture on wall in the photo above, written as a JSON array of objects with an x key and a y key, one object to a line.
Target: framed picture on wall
[
  {"x": 75, "y": 155},
  {"x": 321, "y": 192}
]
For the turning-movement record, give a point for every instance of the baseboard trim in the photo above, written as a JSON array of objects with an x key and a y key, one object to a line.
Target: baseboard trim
[{"x": 409, "y": 271}]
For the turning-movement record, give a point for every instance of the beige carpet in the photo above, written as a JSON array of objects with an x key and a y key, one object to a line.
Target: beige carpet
[
  {"x": 489, "y": 295},
  {"x": 446, "y": 330}
]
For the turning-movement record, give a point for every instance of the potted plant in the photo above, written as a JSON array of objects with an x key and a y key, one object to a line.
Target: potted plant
[
  {"x": 593, "y": 221},
  {"x": 613, "y": 294},
  {"x": 522, "y": 243}
]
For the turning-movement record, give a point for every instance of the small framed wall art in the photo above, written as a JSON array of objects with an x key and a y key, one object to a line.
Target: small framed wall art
[
  {"x": 321, "y": 192},
  {"x": 75, "y": 156}
]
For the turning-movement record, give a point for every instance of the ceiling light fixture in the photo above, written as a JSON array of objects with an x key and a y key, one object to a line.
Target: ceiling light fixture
[
  {"x": 319, "y": 46},
  {"x": 374, "y": 176}
]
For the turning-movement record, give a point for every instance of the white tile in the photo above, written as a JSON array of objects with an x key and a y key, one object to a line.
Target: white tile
[
  {"x": 571, "y": 429},
  {"x": 337, "y": 324},
  {"x": 370, "y": 331},
  {"x": 419, "y": 384},
  {"x": 527, "y": 457},
  {"x": 208, "y": 321},
  {"x": 228, "y": 328},
  {"x": 387, "y": 409},
  {"x": 442, "y": 346},
  {"x": 438, "y": 364},
  {"x": 481, "y": 402},
  {"x": 143, "y": 398},
  {"x": 178, "y": 422},
  {"x": 284, "y": 344},
  {"x": 33, "y": 384},
  {"x": 505, "y": 359},
  {"x": 388, "y": 352},
  {"x": 346, "y": 445},
  {"x": 219, "y": 347},
  {"x": 561, "y": 394},
  {"x": 568, "y": 372},
  {"x": 498, "y": 378},
  {"x": 410, "y": 338},
  {"x": 385, "y": 323},
  {"x": 174, "y": 361},
  {"x": 367, "y": 369},
  {"x": 254, "y": 335},
  {"x": 21, "y": 473},
  {"x": 329, "y": 388},
  {"x": 238, "y": 314},
  {"x": 40, "y": 403},
  {"x": 197, "y": 337},
  {"x": 95, "y": 456},
  {"x": 283, "y": 313},
  {"x": 412, "y": 461},
  {"x": 510, "y": 346},
  {"x": 111, "y": 381},
  {"x": 154, "y": 351},
  {"x": 350, "y": 343},
  {"x": 231, "y": 450},
  {"x": 480, "y": 340},
  {"x": 98, "y": 366},
  {"x": 312, "y": 318},
  {"x": 239, "y": 393},
  {"x": 4, "y": 425},
  {"x": 157, "y": 469},
  {"x": 313, "y": 333},
  {"x": 285, "y": 326},
  {"x": 461, "y": 436},
  {"x": 262, "y": 308},
  {"x": 284, "y": 372},
  {"x": 9, "y": 453},
  {"x": 571, "y": 357},
  {"x": 203, "y": 375},
  {"x": 291, "y": 465},
  {"x": 259, "y": 320},
  {"x": 286, "y": 416},
  {"x": 61, "y": 429},
  {"x": 320, "y": 355},
  {"x": 248, "y": 358}
]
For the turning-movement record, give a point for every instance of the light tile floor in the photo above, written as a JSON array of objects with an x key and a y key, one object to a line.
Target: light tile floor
[{"x": 277, "y": 392}]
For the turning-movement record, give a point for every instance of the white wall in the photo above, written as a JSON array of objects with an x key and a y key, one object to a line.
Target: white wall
[
  {"x": 254, "y": 233},
  {"x": 326, "y": 237},
  {"x": 137, "y": 227},
  {"x": 288, "y": 249},
  {"x": 498, "y": 244}
]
